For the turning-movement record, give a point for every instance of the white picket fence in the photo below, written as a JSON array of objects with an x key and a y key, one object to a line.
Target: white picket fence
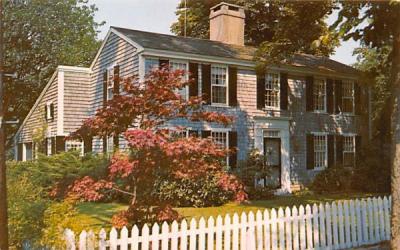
[{"x": 336, "y": 225}]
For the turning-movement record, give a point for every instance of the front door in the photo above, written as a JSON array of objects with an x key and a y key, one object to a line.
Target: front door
[{"x": 272, "y": 153}]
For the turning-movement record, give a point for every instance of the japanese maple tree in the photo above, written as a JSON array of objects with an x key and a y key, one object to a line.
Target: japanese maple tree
[{"x": 141, "y": 113}]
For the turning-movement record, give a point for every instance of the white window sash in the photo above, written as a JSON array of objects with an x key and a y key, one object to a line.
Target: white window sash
[
  {"x": 324, "y": 110},
  {"x": 186, "y": 76},
  {"x": 226, "y": 85},
  {"x": 352, "y": 97},
  {"x": 278, "y": 90}
]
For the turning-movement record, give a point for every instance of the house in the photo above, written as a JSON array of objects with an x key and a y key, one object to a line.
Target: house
[{"x": 305, "y": 115}]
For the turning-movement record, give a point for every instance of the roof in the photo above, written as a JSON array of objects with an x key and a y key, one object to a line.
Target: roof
[{"x": 198, "y": 46}]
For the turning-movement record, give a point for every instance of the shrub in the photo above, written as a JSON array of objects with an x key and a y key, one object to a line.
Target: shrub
[
  {"x": 260, "y": 193},
  {"x": 331, "y": 180},
  {"x": 26, "y": 206}
]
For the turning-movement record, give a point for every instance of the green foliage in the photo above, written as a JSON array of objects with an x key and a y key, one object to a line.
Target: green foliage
[
  {"x": 39, "y": 35},
  {"x": 332, "y": 180},
  {"x": 57, "y": 218},
  {"x": 253, "y": 167},
  {"x": 280, "y": 28},
  {"x": 26, "y": 206},
  {"x": 260, "y": 193},
  {"x": 203, "y": 192}
]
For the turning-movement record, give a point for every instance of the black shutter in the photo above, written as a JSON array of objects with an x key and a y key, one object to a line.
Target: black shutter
[
  {"x": 339, "y": 150},
  {"x": 357, "y": 99},
  {"x": 52, "y": 111},
  {"x": 116, "y": 141},
  {"x": 205, "y": 133},
  {"x": 116, "y": 80},
  {"x": 45, "y": 112},
  {"x": 206, "y": 82},
  {"x": 163, "y": 63},
  {"x": 338, "y": 96},
  {"x": 284, "y": 89},
  {"x": 193, "y": 133},
  {"x": 104, "y": 144},
  {"x": 194, "y": 77},
  {"x": 329, "y": 96},
  {"x": 19, "y": 152},
  {"x": 232, "y": 86},
  {"x": 233, "y": 148},
  {"x": 260, "y": 91},
  {"x": 60, "y": 144},
  {"x": 358, "y": 146},
  {"x": 53, "y": 145},
  {"x": 87, "y": 145},
  {"x": 310, "y": 151},
  {"x": 310, "y": 93},
  {"x": 331, "y": 151},
  {"x": 105, "y": 88},
  {"x": 45, "y": 146}
]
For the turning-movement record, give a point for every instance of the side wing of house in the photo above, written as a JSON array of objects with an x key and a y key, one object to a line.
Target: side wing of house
[{"x": 117, "y": 56}]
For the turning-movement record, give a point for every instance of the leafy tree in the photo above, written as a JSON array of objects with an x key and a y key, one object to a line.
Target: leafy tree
[
  {"x": 154, "y": 153},
  {"x": 40, "y": 35},
  {"x": 382, "y": 29},
  {"x": 276, "y": 26}
]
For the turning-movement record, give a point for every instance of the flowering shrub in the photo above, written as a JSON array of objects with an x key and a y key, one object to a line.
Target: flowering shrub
[{"x": 153, "y": 152}]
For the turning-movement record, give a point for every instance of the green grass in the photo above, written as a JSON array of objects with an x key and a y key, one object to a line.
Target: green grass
[{"x": 97, "y": 215}]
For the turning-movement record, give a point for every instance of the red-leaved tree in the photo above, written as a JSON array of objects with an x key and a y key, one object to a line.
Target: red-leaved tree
[{"x": 141, "y": 113}]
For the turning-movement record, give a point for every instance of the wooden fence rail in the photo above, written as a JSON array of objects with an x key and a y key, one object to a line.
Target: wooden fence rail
[{"x": 336, "y": 225}]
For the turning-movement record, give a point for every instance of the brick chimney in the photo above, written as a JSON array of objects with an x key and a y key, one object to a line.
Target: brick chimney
[{"x": 227, "y": 23}]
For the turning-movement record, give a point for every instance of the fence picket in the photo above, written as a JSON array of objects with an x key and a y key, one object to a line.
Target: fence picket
[
  {"x": 164, "y": 236},
  {"x": 302, "y": 226},
  {"x": 288, "y": 228},
  {"x": 309, "y": 230},
  {"x": 347, "y": 224},
  {"x": 274, "y": 230},
  {"x": 339, "y": 225},
  {"x": 281, "y": 224},
  {"x": 174, "y": 238},
  {"x": 315, "y": 223},
  {"x": 259, "y": 227},
  {"x": 124, "y": 239},
  {"x": 243, "y": 231}
]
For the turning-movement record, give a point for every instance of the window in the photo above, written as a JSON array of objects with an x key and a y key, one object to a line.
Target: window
[
  {"x": 319, "y": 95},
  {"x": 176, "y": 65},
  {"x": 320, "y": 151},
  {"x": 272, "y": 90},
  {"x": 348, "y": 97},
  {"x": 110, "y": 144},
  {"x": 220, "y": 138},
  {"x": 179, "y": 134},
  {"x": 74, "y": 146},
  {"x": 150, "y": 64},
  {"x": 110, "y": 83},
  {"x": 49, "y": 147},
  {"x": 219, "y": 85},
  {"x": 349, "y": 151},
  {"x": 49, "y": 110}
]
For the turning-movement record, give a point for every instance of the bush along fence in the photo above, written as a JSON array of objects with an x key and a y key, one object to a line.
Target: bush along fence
[{"x": 336, "y": 225}]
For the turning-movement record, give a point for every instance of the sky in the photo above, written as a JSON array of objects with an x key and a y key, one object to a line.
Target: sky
[{"x": 158, "y": 15}]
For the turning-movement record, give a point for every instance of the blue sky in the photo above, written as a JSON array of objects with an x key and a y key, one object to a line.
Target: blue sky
[{"x": 158, "y": 15}]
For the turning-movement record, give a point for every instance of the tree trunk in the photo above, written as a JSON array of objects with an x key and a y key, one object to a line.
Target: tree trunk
[{"x": 395, "y": 170}]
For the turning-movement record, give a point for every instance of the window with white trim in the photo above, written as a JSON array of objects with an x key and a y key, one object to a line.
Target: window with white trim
[
  {"x": 110, "y": 144},
  {"x": 180, "y": 65},
  {"x": 320, "y": 151},
  {"x": 348, "y": 97},
  {"x": 219, "y": 85},
  {"x": 49, "y": 111},
  {"x": 272, "y": 90},
  {"x": 349, "y": 151},
  {"x": 74, "y": 145},
  {"x": 110, "y": 82},
  {"x": 319, "y": 95},
  {"x": 150, "y": 64},
  {"x": 49, "y": 146},
  {"x": 220, "y": 138}
]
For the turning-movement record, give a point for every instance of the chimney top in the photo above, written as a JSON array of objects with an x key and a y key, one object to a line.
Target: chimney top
[{"x": 227, "y": 23}]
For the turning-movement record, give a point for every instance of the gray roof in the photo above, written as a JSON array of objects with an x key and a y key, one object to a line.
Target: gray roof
[{"x": 217, "y": 49}]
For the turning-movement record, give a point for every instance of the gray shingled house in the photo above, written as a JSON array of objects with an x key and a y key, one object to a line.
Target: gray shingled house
[{"x": 305, "y": 115}]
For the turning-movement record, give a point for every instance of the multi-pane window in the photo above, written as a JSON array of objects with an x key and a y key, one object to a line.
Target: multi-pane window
[
  {"x": 175, "y": 65},
  {"x": 110, "y": 144},
  {"x": 49, "y": 109},
  {"x": 179, "y": 134},
  {"x": 349, "y": 151},
  {"x": 73, "y": 145},
  {"x": 272, "y": 89},
  {"x": 110, "y": 83},
  {"x": 220, "y": 138},
  {"x": 218, "y": 85},
  {"x": 319, "y": 95},
  {"x": 150, "y": 64},
  {"x": 320, "y": 151},
  {"x": 348, "y": 97}
]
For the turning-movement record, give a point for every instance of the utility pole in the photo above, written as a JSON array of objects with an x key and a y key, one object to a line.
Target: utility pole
[{"x": 3, "y": 184}]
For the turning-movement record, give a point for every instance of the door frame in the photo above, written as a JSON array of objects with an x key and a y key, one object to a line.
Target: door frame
[{"x": 280, "y": 156}]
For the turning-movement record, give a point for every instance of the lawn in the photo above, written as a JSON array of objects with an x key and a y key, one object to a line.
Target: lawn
[{"x": 97, "y": 215}]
